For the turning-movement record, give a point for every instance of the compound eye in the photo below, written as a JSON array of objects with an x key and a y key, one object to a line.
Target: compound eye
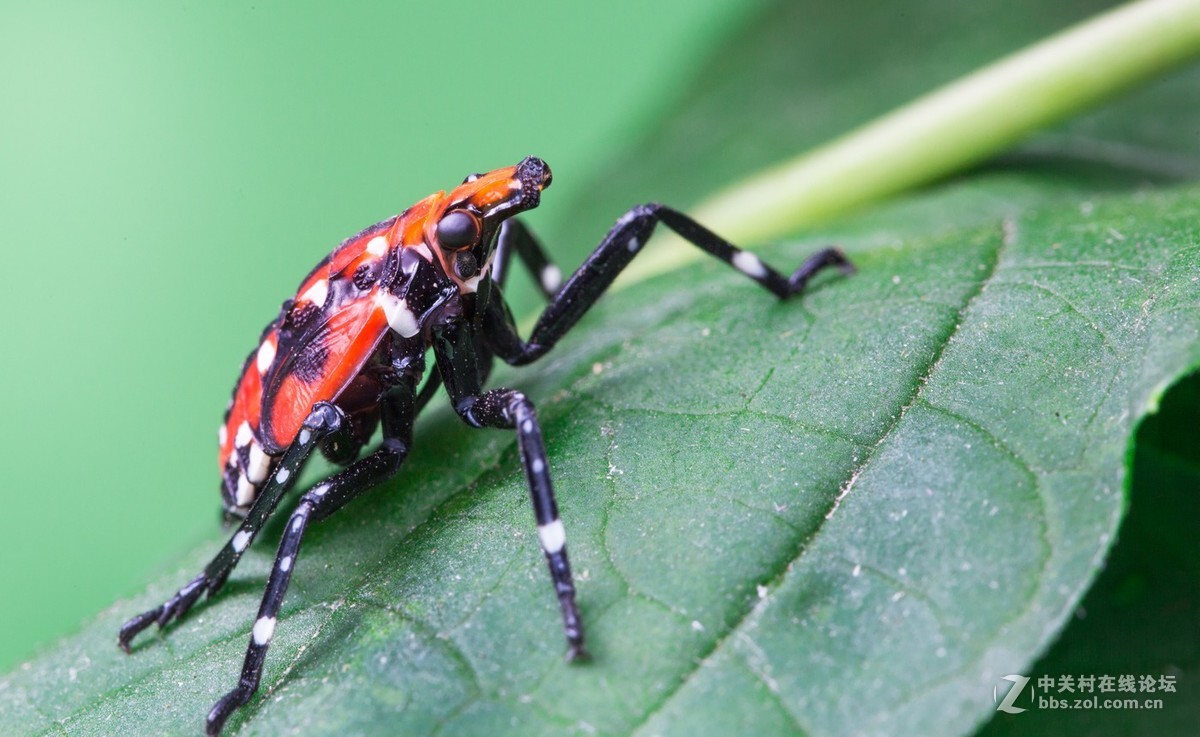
[{"x": 457, "y": 229}]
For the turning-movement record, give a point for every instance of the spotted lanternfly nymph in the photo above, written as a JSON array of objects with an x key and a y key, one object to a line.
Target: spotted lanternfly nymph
[{"x": 347, "y": 353}]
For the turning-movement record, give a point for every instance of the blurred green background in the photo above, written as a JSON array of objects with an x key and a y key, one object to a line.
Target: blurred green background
[{"x": 169, "y": 171}]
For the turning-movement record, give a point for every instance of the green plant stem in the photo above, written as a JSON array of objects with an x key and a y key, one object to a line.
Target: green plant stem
[{"x": 952, "y": 127}]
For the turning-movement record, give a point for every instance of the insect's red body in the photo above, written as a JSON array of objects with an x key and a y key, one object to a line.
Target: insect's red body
[
  {"x": 345, "y": 356},
  {"x": 327, "y": 344}
]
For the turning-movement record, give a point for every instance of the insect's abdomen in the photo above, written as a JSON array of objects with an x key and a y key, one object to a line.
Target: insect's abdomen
[{"x": 242, "y": 458}]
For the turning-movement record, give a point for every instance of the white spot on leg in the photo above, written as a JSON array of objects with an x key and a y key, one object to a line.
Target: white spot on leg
[
  {"x": 537, "y": 466},
  {"x": 305, "y": 436},
  {"x": 399, "y": 316},
  {"x": 634, "y": 244},
  {"x": 551, "y": 278},
  {"x": 748, "y": 264},
  {"x": 553, "y": 536},
  {"x": 316, "y": 293},
  {"x": 282, "y": 476},
  {"x": 244, "y": 435},
  {"x": 240, "y": 541},
  {"x": 264, "y": 630},
  {"x": 245, "y": 491},
  {"x": 266, "y": 354},
  {"x": 320, "y": 489},
  {"x": 259, "y": 464},
  {"x": 527, "y": 426},
  {"x": 377, "y": 246},
  {"x": 285, "y": 565}
]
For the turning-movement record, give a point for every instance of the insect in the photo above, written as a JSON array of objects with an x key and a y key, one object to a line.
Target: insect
[{"x": 346, "y": 354}]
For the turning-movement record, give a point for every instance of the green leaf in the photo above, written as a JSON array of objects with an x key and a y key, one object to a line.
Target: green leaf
[{"x": 850, "y": 513}]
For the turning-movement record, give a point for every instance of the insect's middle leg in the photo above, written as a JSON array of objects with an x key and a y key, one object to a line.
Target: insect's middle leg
[{"x": 509, "y": 409}]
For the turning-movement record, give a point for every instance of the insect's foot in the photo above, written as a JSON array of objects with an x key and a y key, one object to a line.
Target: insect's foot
[
  {"x": 174, "y": 608},
  {"x": 130, "y": 629},
  {"x": 224, "y": 708},
  {"x": 820, "y": 260},
  {"x": 577, "y": 653}
]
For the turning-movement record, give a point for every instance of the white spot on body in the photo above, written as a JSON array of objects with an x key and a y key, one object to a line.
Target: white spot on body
[
  {"x": 537, "y": 466},
  {"x": 283, "y": 475},
  {"x": 259, "y": 465},
  {"x": 551, "y": 278},
  {"x": 316, "y": 293},
  {"x": 377, "y": 246},
  {"x": 748, "y": 264},
  {"x": 552, "y": 536},
  {"x": 285, "y": 565},
  {"x": 222, "y": 435},
  {"x": 240, "y": 541},
  {"x": 266, "y": 354},
  {"x": 245, "y": 491},
  {"x": 264, "y": 630},
  {"x": 399, "y": 316},
  {"x": 423, "y": 249},
  {"x": 244, "y": 435}
]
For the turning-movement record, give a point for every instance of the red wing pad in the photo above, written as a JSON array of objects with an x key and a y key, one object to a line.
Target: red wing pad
[{"x": 318, "y": 365}]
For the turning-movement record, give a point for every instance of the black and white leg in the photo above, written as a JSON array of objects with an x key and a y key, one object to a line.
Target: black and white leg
[
  {"x": 510, "y": 409},
  {"x": 615, "y": 252},
  {"x": 515, "y": 238},
  {"x": 399, "y": 407},
  {"x": 323, "y": 423}
]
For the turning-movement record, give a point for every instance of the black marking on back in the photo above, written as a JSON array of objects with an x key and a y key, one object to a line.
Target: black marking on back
[
  {"x": 364, "y": 277},
  {"x": 309, "y": 363}
]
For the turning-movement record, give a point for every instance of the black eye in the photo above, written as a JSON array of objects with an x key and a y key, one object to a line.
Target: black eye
[{"x": 457, "y": 230}]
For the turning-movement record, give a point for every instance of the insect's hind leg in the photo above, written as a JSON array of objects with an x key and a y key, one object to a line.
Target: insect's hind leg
[
  {"x": 323, "y": 422},
  {"x": 399, "y": 409}
]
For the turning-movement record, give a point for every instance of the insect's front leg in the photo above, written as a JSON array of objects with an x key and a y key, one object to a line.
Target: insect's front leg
[
  {"x": 615, "y": 252},
  {"x": 515, "y": 238},
  {"x": 399, "y": 409},
  {"x": 511, "y": 410},
  {"x": 324, "y": 421}
]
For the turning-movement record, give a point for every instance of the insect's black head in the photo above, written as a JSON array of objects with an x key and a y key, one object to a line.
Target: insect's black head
[{"x": 465, "y": 228}]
